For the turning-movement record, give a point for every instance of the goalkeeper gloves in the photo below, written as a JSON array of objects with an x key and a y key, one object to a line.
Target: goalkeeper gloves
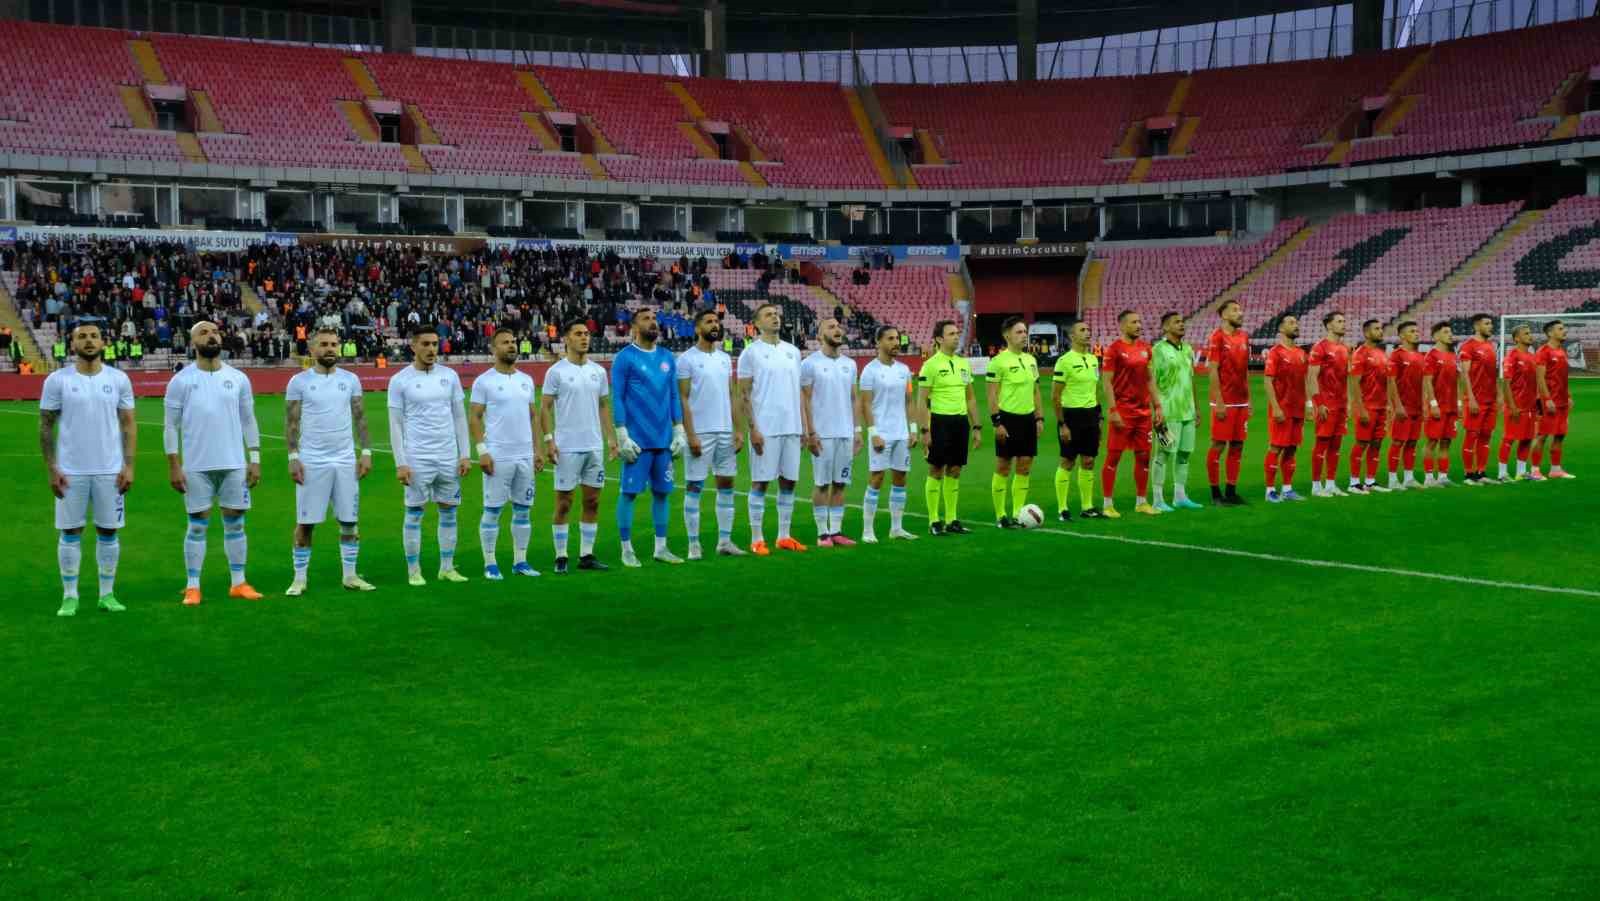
[
  {"x": 626, "y": 446},
  {"x": 680, "y": 441}
]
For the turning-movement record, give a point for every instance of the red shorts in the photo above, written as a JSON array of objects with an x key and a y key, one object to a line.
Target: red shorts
[
  {"x": 1133, "y": 434},
  {"x": 1441, "y": 429},
  {"x": 1335, "y": 425},
  {"x": 1289, "y": 433},
  {"x": 1373, "y": 429},
  {"x": 1522, "y": 428},
  {"x": 1406, "y": 428},
  {"x": 1553, "y": 422},
  {"x": 1232, "y": 425},
  {"x": 1482, "y": 421}
]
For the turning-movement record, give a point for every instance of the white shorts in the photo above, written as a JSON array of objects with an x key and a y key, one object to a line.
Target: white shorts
[
  {"x": 72, "y": 511},
  {"x": 832, "y": 466},
  {"x": 574, "y": 468},
  {"x": 896, "y": 455},
  {"x": 223, "y": 487},
  {"x": 325, "y": 485},
  {"x": 782, "y": 459},
  {"x": 512, "y": 483},
  {"x": 436, "y": 483},
  {"x": 716, "y": 458}
]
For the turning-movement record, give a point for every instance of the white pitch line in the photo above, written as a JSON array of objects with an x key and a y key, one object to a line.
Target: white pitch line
[{"x": 1180, "y": 546}]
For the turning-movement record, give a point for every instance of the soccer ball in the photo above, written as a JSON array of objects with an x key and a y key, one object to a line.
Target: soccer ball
[{"x": 1030, "y": 516}]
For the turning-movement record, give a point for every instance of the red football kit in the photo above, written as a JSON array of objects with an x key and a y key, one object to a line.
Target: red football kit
[
  {"x": 1371, "y": 366},
  {"x": 1229, "y": 358},
  {"x": 1556, "y": 365},
  {"x": 1442, "y": 370},
  {"x": 1333, "y": 378},
  {"x": 1129, "y": 366},
  {"x": 1406, "y": 367},
  {"x": 1522, "y": 380},
  {"x": 1287, "y": 368},
  {"x": 1480, "y": 384}
]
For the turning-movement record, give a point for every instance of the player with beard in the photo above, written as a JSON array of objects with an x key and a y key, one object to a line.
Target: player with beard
[
  {"x": 321, "y": 406},
  {"x": 1519, "y": 389},
  {"x": 429, "y": 434},
  {"x": 504, "y": 418},
  {"x": 1555, "y": 399},
  {"x": 1286, "y": 410},
  {"x": 769, "y": 398},
  {"x": 575, "y": 407},
  {"x": 1407, "y": 372},
  {"x": 89, "y": 460},
  {"x": 1328, "y": 381},
  {"x": 1135, "y": 404},
  {"x": 714, "y": 439},
  {"x": 1172, "y": 360},
  {"x": 649, "y": 427},
  {"x": 211, "y": 414},
  {"x": 1228, "y": 353},
  {"x": 828, "y": 411},
  {"x": 1440, "y": 400},
  {"x": 886, "y": 407},
  {"x": 1479, "y": 367},
  {"x": 1369, "y": 395}
]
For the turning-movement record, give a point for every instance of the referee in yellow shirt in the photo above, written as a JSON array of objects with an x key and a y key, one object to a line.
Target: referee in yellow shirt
[
  {"x": 1018, "y": 421},
  {"x": 950, "y": 413},
  {"x": 1076, "y": 396}
]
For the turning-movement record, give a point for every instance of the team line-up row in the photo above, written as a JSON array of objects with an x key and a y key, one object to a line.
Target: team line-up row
[{"x": 702, "y": 406}]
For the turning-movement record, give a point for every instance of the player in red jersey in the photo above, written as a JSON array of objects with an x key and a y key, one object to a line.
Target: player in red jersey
[
  {"x": 1479, "y": 367},
  {"x": 1228, "y": 355},
  {"x": 1329, "y": 378},
  {"x": 1406, "y": 375},
  {"x": 1554, "y": 400},
  {"x": 1443, "y": 405},
  {"x": 1369, "y": 396},
  {"x": 1519, "y": 391},
  {"x": 1286, "y": 409},
  {"x": 1132, "y": 398}
]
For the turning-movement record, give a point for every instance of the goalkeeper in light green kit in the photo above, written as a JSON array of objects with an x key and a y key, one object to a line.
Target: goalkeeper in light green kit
[{"x": 1173, "y": 362}]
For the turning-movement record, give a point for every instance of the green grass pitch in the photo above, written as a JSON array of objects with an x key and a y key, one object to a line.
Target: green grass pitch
[{"x": 1000, "y": 715}]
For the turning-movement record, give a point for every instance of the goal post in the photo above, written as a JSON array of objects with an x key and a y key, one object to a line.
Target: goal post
[{"x": 1583, "y": 337}]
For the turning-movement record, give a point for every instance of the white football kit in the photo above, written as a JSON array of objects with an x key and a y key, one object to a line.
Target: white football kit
[
  {"x": 711, "y": 407},
  {"x": 508, "y": 436},
  {"x": 831, "y": 381},
  {"x": 88, "y": 443},
  {"x": 774, "y": 371},
  {"x": 889, "y": 386},
  {"x": 580, "y": 444},
  {"x": 211, "y": 416},
  {"x": 327, "y": 445},
  {"x": 428, "y": 430}
]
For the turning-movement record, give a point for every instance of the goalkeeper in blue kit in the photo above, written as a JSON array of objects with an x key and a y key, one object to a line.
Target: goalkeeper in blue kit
[{"x": 649, "y": 419}]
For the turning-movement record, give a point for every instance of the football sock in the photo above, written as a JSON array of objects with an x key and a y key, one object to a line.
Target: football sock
[
  {"x": 897, "y": 507},
  {"x": 1330, "y": 460},
  {"x": 933, "y": 490},
  {"x": 1372, "y": 461},
  {"x": 1085, "y": 487},
  {"x": 1019, "y": 492},
  {"x": 691, "y": 509},
  {"x": 106, "y": 552},
  {"x": 1394, "y": 455},
  {"x": 447, "y": 537},
  {"x": 1317, "y": 450},
  {"x": 1141, "y": 474},
  {"x": 1235, "y": 460},
  {"x": 489, "y": 534},
  {"x": 836, "y": 520},
  {"x": 194, "y": 547},
  {"x": 1469, "y": 453},
  {"x": 1535, "y": 454},
  {"x": 660, "y": 512},
  {"x": 998, "y": 488},
  {"x": 1505, "y": 452},
  {"x": 1269, "y": 465},
  {"x": 1286, "y": 466},
  {"x": 1483, "y": 452},
  {"x": 1108, "y": 474},
  {"x": 69, "y": 553},
  {"x": 1063, "y": 487},
  {"x": 521, "y": 532},
  {"x": 302, "y": 562},
  {"x": 1214, "y": 466},
  {"x": 558, "y": 538},
  {"x": 1180, "y": 477},
  {"x": 785, "y": 511},
  {"x": 625, "y": 516},
  {"x": 819, "y": 513},
  {"x": 411, "y": 537},
  {"x": 869, "y": 508},
  {"x": 349, "y": 550},
  {"x": 725, "y": 510},
  {"x": 756, "y": 505},
  {"x": 950, "y": 493},
  {"x": 1555, "y": 456},
  {"x": 1158, "y": 469},
  {"x": 1523, "y": 448},
  {"x": 586, "y": 533},
  {"x": 235, "y": 546},
  {"x": 1355, "y": 464}
]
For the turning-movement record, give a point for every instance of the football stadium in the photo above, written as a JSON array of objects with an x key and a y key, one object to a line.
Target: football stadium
[{"x": 717, "y": 449}]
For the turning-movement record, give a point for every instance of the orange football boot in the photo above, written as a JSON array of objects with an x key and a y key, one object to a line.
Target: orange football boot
[
  {"x": 789, "y": 544},
  {"x": 759, "y": 548},
  {"x": 191, "y": 597},
  {"x": 244, "y": 591}
]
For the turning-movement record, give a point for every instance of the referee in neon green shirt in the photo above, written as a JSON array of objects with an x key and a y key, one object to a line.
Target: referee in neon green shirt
[
  {"x": 950, "y": 410},
  {"x": 1018, "y": 422},
  {"x": 1172, "y": 360},
  {"x": 1076, "y": 395}
]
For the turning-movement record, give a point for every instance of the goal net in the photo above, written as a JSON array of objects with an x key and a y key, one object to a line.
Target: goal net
[{"x": 1583, "y": 337}]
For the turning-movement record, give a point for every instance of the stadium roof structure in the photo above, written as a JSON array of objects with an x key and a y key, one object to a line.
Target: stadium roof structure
[{"x": 790, "y": 25}]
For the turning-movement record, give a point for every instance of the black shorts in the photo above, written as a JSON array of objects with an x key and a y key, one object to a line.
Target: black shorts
[
  {"x": 1084, "y": 423},
  {"x": 947, "y": 439},
  {"x": 1023, "y": 440}
]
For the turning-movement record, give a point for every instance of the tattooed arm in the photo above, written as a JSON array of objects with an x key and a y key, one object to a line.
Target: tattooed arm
[
  {"x": 358, "y": 415},
  {"x": 291, "y": 437},
  {"x": 47, "y": 444}
]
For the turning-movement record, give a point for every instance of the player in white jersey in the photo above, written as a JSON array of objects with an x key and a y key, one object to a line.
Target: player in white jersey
[
  {"x": 577, "y": 406},
  {"x": 769, "y": 400},
  {"x": 89, "y": 460},
  {"x": 321, "y": 407},
  {"x": 828, "y": 409},
  {"x": 504, "y": 416},
  {"x": 428, "y": 431},
  {"x": 705, "y": 383},
  {"x": 886, "y": 394},
  {"x": 211, "y": 414}
]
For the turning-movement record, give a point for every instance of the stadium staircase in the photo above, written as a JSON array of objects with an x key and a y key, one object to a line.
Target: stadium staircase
[
  {"x": 541, "y": 132},
  {"x": 206, "y": 114},
  {"x": 1566, "y": 128},
  {"x": 144, "y": 56},
  {"x": 1487, "y": 252},
  {"x": 361, "y": 121},
  {"x": 1092, "y": 292},
  {"x": 535, "y": 90},
  {"x": 137, "y": 104},
  {"x": 1283, "y": 252},
  {"x": 930, "y": 148},
  {"x": 11, "y": 318},
  {"x": 1181, "y": 139},
  {"x": 251, "y": 300},
  {"x": 362, "y": 76},
  {"x": 869, "y": 137}
]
